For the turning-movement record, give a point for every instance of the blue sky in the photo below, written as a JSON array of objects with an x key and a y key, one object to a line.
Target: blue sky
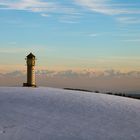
[{"x": 76, "y": 34}]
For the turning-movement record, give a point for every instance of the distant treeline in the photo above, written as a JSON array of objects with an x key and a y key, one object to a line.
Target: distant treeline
[
  {"x": 135, "y": 96},
  {"x": 78, "y": 89}
]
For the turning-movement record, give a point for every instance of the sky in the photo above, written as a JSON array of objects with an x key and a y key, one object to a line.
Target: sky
[
  {"x": 75, "y": 34},
  {"x": 91, "y": 44}
]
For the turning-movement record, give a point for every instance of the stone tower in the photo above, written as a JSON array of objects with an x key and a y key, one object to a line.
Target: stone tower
[{"x": 30, "y": 60}]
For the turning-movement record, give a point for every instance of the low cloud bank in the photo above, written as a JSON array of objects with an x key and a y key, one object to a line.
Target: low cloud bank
[{"x": 103, "y": 81}]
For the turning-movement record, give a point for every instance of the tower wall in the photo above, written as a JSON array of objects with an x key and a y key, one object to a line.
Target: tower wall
[
  {"x": 31, "y": 75},
  {"x": 30, "y": 60}
]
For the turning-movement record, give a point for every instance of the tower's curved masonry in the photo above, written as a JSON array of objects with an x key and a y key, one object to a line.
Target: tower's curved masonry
[{"x": 30, "y": 60}]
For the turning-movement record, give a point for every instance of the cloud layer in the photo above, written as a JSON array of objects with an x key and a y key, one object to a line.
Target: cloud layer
[
  {"x": 37, "y": 6},
  {"x": 125, "y": 13},
  {"x": 29, "y": 5},
  {"x": 104, "y": 81},
  {"x": 77, "y": 74},
  {"x": 107, "y": 7}
]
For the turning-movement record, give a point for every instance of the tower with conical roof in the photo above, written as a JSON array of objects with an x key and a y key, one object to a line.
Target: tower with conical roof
[{"x": 30, "y": 60}]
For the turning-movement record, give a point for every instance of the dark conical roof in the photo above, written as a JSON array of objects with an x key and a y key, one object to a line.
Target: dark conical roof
[{"x": 30, "y": 56}]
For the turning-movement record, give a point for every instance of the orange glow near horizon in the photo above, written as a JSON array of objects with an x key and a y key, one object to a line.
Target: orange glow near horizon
[{"x": 10, "y": 68}]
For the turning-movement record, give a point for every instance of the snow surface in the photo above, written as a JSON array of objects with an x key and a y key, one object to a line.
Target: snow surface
[{"x": 56, "y": 114}]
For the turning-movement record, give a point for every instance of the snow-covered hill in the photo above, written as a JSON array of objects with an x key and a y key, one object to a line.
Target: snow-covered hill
[{"x": 55, "y": 114}]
